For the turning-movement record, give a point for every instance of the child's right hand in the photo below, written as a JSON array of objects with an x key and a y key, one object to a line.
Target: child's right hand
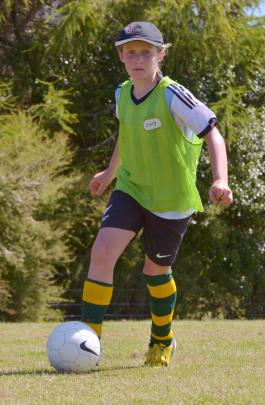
[{"x": 100, "y": 182}]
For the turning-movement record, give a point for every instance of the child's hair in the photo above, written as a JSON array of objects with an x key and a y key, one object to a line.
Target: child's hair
[{"x": 164, "y": 48}]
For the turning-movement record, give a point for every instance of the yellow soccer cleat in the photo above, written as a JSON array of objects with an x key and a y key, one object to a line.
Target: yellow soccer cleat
[{"x": 159, "y": 354}]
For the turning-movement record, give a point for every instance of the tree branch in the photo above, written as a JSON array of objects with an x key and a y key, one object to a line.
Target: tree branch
[{"x": 106, "y": 141}]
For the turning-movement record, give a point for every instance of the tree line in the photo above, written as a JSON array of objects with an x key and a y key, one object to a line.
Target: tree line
[{"x": 58, "y": 73}]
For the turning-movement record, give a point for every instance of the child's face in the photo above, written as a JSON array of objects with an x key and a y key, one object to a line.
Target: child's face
[{"x": 140, "y": 59}]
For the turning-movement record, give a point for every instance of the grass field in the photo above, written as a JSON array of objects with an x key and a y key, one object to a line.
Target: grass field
[{"x": 217, "y": 362}]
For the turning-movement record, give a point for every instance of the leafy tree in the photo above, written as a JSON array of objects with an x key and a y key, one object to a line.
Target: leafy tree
[{"x": 32, "y": 182}]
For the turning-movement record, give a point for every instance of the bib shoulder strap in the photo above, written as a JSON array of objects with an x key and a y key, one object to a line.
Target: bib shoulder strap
[
  {"x": 126, "y": 84},
  {"x": 166, "y": 81}
]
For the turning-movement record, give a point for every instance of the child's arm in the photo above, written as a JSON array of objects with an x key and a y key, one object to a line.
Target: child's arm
[
  {"x": 102, "y": 180},
  {"x": 219, "y": 191}
]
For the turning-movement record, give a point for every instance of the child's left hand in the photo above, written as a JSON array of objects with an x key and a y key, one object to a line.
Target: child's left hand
[{"x": 220, "y": 193}]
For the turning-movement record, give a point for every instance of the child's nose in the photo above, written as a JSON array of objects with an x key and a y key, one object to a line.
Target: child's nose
[{"x": 139, "y": 58}]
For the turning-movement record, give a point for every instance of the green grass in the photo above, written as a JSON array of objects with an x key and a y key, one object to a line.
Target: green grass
[{"x": 217, "y": 362}]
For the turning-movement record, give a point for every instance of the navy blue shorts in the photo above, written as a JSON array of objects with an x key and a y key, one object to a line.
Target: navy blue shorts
[{"x": 162, "y": 237}]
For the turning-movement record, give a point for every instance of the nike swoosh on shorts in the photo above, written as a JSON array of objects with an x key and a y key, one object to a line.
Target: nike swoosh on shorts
[{"x": 160, "y": 256}]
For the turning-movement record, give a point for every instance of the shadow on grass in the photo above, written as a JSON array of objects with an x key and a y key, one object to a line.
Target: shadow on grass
[{"x": 44, "y": 372}]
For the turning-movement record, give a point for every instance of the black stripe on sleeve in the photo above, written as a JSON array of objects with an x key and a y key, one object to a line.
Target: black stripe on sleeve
[
  {"x": 185, "y": 101},
  {"x": 185, "y": 94},
  {"x": 212, "y": 123}
]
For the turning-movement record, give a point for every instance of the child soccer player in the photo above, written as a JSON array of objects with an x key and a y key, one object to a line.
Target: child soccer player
[{"x": 161, "y": 130}]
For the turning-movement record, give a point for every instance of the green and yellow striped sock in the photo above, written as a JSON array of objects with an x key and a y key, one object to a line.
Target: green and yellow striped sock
[
  {"x": 96, "y": 299},
  {"x": 163, "y": 294}
]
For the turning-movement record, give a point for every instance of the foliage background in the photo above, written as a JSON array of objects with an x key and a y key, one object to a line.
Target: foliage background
[{"x": 58, "y": 73}]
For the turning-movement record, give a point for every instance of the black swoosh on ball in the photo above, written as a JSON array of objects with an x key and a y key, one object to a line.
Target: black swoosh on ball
[{"x": 86, "y": 349}]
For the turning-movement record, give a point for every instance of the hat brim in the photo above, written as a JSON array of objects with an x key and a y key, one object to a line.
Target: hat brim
[{"x": 125, "y": 41}]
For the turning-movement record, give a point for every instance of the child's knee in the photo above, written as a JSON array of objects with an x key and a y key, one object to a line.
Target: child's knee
[{"x": 152, "y": 269}]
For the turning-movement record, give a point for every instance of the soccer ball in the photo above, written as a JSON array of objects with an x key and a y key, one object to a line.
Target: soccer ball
[{"x": 73, "y": 347}]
